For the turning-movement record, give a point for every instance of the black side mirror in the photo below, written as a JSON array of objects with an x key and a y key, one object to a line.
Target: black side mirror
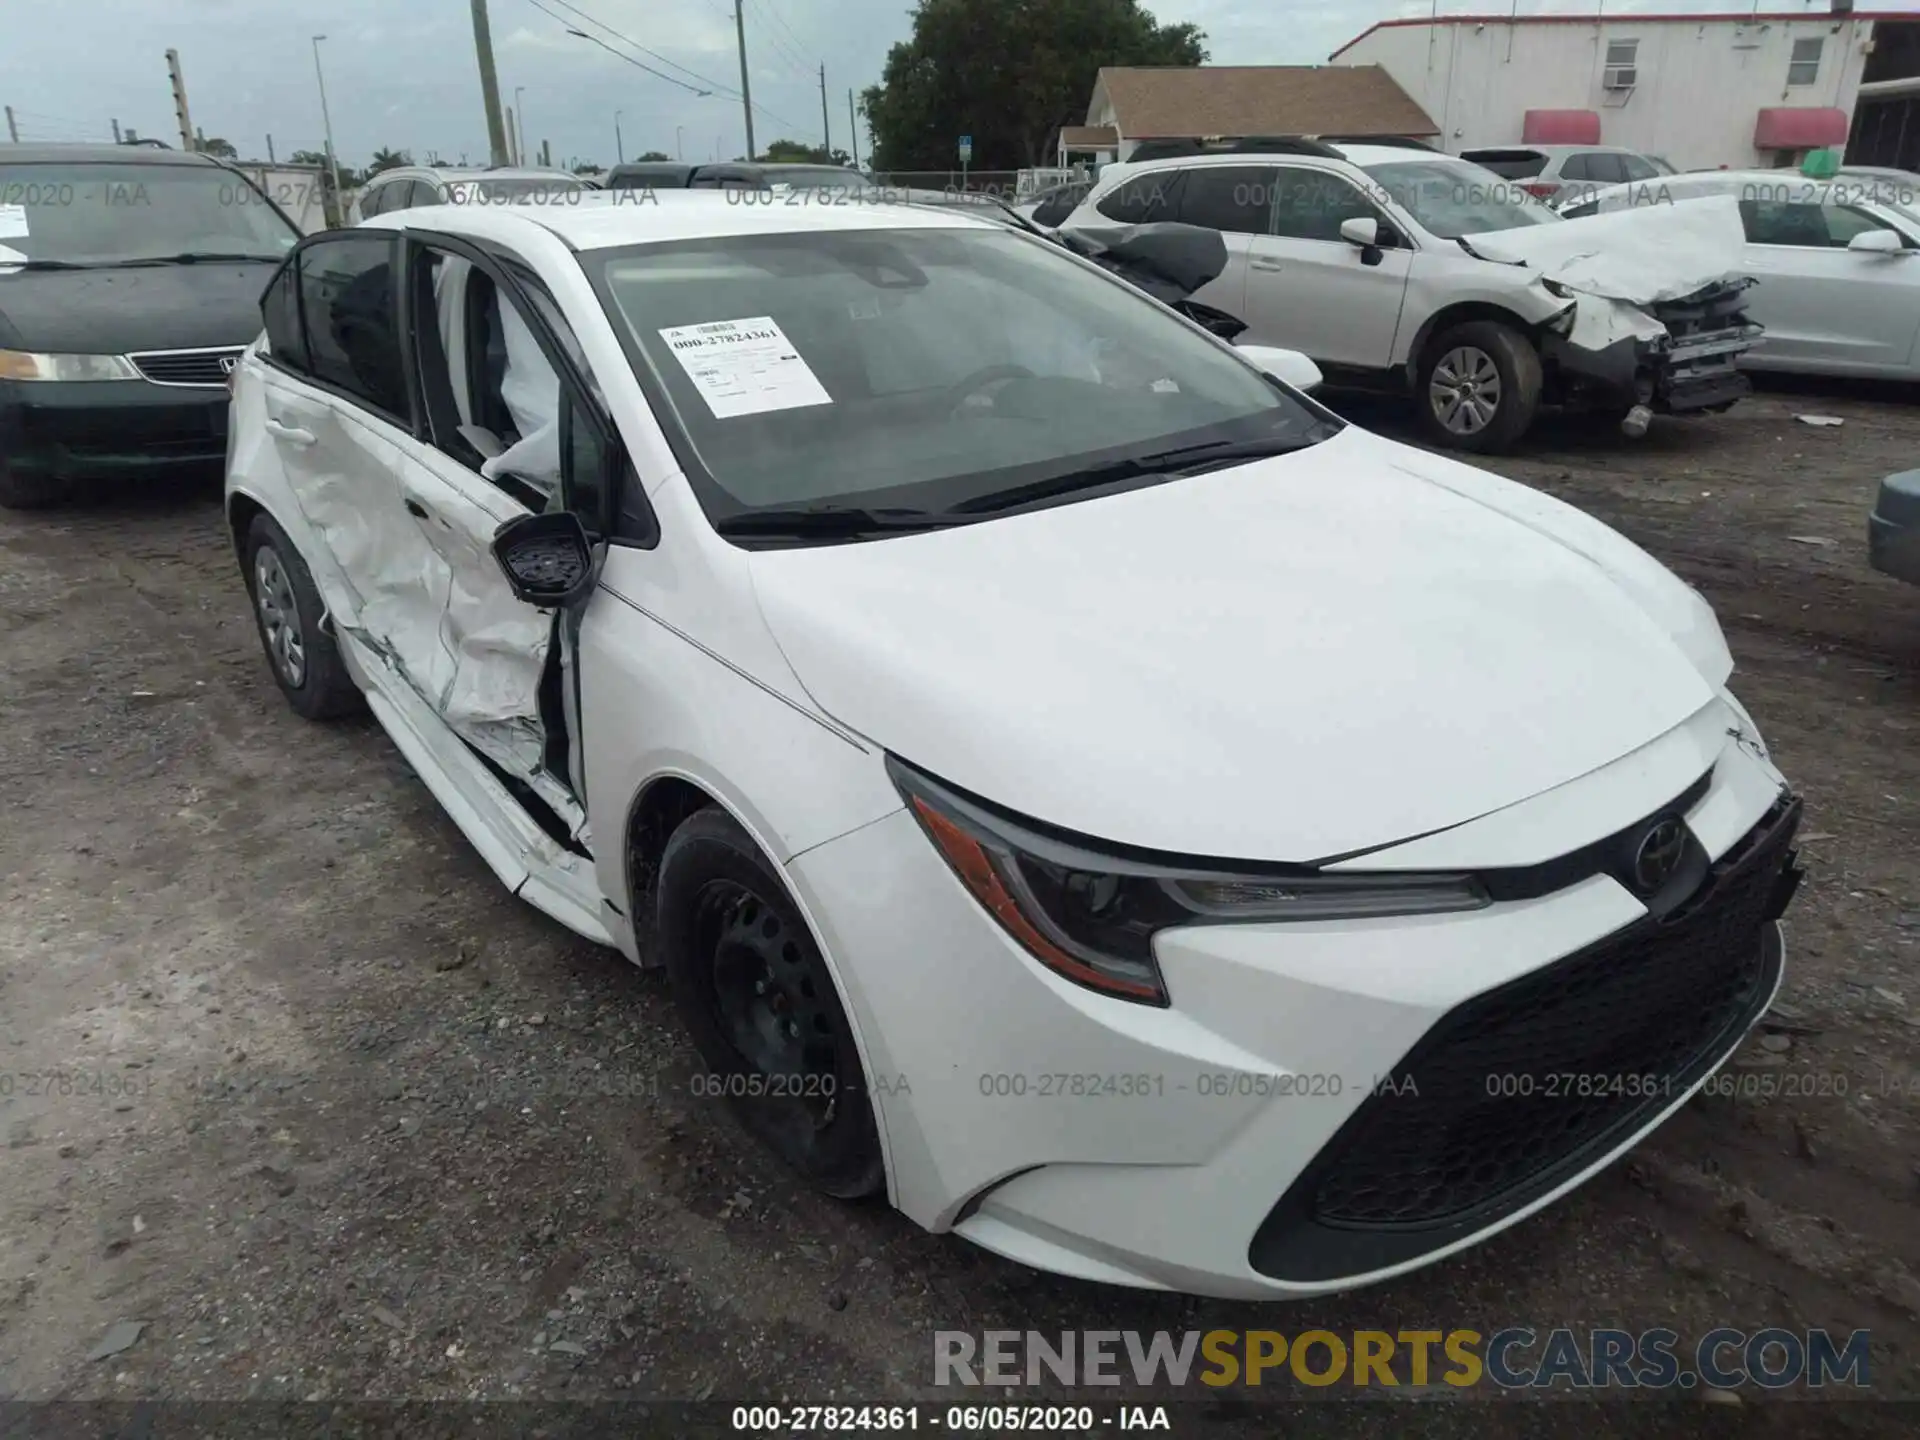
[{"x": 547, "y": 559}]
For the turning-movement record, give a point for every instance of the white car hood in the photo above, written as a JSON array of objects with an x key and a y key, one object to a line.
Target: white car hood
[
  {"x": 1643, "y": 256},
  {"x": 1290, "y": 660}
]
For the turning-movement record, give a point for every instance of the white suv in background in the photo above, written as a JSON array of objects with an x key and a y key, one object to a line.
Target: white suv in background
[
  {"x": 1567, "y": 174},
  {"x": 1396, "y": 267}
]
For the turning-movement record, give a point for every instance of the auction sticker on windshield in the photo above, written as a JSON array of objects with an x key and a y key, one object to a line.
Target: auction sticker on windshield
[
  {"x": 745, "y": 367},
  {"x": 13, "y": 221}
]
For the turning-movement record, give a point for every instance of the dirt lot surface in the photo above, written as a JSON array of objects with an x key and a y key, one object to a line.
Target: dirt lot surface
[{"x": 289, "y": 1079}]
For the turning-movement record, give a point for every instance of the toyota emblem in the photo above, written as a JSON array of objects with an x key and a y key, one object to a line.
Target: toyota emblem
[
  {"x": 229, "y": 364},
  {"x": 1658, "y": 855}
]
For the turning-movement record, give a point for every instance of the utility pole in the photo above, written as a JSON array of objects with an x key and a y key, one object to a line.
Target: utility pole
[
  {"x": 619, "y": 145},
  {"x": 512, "y": 157},
  {"x": 826, "y": 127},
  {"x": 116, "y": 132},
  {"x": 546, "y": 154},
  {"x": 853, "y": 129},
  {"x": 179, "y": 99},
  {"x": 489, "y": 84},
  {"x": 519, "y": 125},
  {"x": 334, "y": 201},
  {"x": 270, "y": 159},
  {"x": 13, "y": 130},
  {"x": 746, "y": 95}
]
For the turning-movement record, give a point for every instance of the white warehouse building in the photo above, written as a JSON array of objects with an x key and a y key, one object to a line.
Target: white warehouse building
[{"x": 1740, "y": 90}]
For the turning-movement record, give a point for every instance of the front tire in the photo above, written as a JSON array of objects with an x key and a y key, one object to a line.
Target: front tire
[
  {"x": 31, "y": 492},
  {"x": 1479, "y": 387},
  {"x": 756, "y": 996},
  {"x": 287, "y": 611}
]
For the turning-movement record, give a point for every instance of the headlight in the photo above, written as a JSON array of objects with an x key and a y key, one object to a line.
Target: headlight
[
  {"x": 1555, "y": 288},
  {"x": 29, "y": 365},
  {"x": 1091, "y": 917}
]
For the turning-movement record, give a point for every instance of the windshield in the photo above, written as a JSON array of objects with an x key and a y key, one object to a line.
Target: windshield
[
  {"x": 535, "y": 188},
  {"x": 1451, "y": 199},
  {"x": 106, "y": 214},
  {"x": 922, "y": 368}
]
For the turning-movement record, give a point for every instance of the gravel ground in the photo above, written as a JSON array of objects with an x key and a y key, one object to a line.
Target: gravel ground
[{"x": 338, "y": 1119}]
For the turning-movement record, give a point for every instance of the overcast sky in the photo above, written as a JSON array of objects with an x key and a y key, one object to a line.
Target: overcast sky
[{"x": 401, "y": 73}]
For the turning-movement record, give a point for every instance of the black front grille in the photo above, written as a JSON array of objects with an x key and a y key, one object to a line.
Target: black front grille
[
  {"x": 186, "y": 367},
  {"x": 1720, "y": 306},
  {"x": 1518, "y": 1089}
]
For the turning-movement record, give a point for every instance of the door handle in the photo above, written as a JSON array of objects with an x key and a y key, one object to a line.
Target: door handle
[
  {"x": 293, "y": 434},
  {"x": 1268, "y": 265},
  {"x": 415, "y": 508}
]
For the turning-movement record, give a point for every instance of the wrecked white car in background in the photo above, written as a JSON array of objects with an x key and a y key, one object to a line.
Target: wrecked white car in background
[{"x": 1396, "y": 267}]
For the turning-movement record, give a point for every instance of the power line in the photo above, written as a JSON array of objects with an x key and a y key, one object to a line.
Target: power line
[
  {"x": 713, "y": 86},
  {"x": 766, "y": 6},
  {"x": 783, "y": 48}
]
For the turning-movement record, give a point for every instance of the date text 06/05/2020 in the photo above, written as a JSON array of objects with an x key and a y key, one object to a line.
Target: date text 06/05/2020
[{"x": 953, "y": 1419}]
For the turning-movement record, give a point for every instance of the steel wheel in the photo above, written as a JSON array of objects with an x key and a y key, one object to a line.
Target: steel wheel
[
  {"x": 1465, "y": 390},
  {"x": 768, "y": 1002},
  {"x": 279, "y": 616}
]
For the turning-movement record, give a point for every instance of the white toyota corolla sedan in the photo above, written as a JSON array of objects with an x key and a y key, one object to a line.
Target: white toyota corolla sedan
[{"x": 1075, "y": 784}]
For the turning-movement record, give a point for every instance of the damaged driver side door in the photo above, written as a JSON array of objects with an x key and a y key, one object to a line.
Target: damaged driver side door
[{"x": 508, "y": 433}]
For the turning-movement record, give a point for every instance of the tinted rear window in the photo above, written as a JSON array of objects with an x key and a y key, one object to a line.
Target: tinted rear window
[{"x": 1513, "y": 164}]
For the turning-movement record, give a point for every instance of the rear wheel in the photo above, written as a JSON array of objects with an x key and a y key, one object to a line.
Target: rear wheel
[
  {"x": 758, "y": 1000},
  {"x": 287, "y": 611},
  {"x": 1479, "y": 386}
]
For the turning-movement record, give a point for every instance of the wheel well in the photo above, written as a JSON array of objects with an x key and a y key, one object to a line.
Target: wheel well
[
  {"x": 240, "y": 512},
  {"x": 1442, "y": 321},
  {"x": 650, "y": 824}
]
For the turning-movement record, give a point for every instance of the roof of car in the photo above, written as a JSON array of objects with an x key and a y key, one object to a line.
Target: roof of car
[
  {"x": 453, "y": 174},
  {"x": 100, "y": 154},
  {"x": 1352, "y": 154},
  {"x": 606, "y": 221},
  {"x": 1556, "y": 149},
  {"x": 1364, "y": 155}
]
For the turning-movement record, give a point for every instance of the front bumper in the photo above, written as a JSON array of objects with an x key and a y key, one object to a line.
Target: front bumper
[
  {"x": 104, "y": 427},
  {"x": 1258, "y": 1139},
  {"x": 1893, "y": 530},
  {"x": 1693, "y": 366}
]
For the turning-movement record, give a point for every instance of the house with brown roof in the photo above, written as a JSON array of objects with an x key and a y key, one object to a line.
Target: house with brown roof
[{"x": 1198, "y": 102}]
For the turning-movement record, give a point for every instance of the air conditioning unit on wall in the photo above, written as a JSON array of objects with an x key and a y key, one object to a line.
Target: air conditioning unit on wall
[{"x": 1619, "y": 77}]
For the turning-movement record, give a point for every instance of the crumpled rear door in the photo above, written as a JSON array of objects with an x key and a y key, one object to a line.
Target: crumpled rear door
[{"x": 380, "y": 574}]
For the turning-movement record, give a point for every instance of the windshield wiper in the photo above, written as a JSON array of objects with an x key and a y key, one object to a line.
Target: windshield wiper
[
  {"x": 188, "y": 257},
  {"x": 834, "y": 521},
  {"x": 1184, "y": 460},
  {"x": 205, "y": 257}
]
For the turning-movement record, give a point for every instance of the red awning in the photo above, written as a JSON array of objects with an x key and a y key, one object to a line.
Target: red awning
[
  {"x": 1791, "y": 127},
  {"x": 1561, "y": 127}
]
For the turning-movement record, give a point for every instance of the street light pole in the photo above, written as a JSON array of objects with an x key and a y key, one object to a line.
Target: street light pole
[
  {"x": 519, "y": 126},
  {"x": 326, "y": 121},
  {"x": 619, "y": 145},
  {"x": 679, "y": 144}
]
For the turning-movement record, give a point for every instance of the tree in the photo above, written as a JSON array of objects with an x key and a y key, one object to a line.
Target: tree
[
  {"x": 587, "y": 167},
  {"x": 223, "y": 149},
  {"x": 384, "y": 159},
  {"x": 793, "y": 152},
  {"x": 1009, "y": 73},
  {"x": 653, "y": 155}
]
